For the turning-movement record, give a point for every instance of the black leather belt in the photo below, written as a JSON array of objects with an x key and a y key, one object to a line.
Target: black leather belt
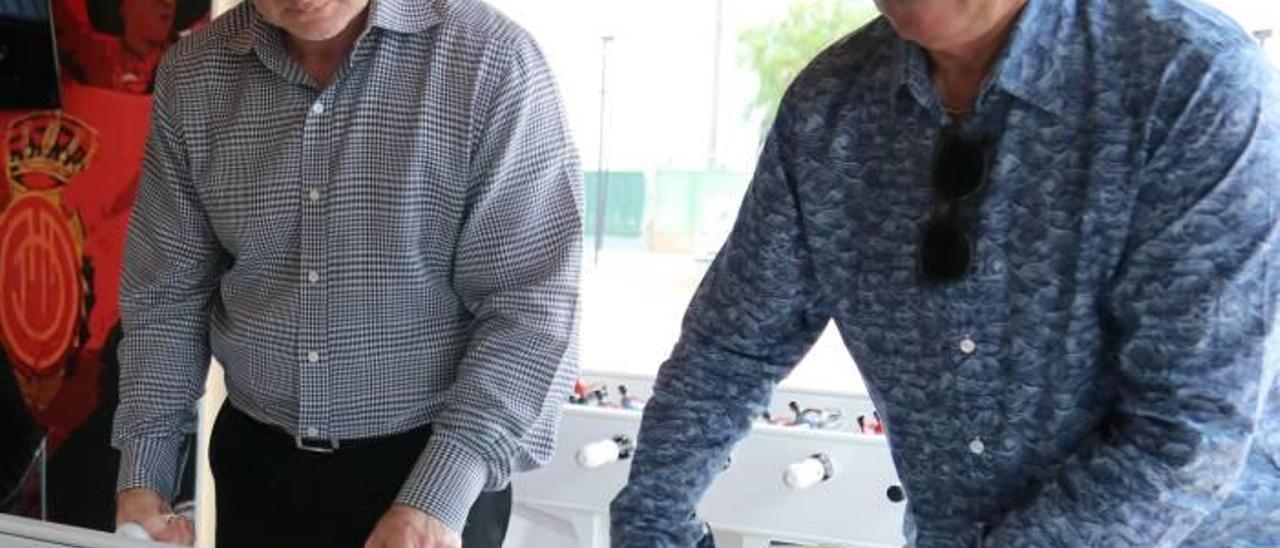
[
  {"x": 316, "y": 445},
  {"x": 319, "y": 445}
]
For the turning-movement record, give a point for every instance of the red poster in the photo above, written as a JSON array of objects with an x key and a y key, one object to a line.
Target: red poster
[
  {"x": 67, "y": 187},
  {"x": 62, "y": 226}
]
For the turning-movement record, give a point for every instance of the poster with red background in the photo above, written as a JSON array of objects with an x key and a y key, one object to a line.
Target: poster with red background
[{"x": 69, "y": 176}]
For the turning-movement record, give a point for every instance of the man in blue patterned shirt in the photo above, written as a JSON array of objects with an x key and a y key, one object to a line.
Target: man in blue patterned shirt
[
  {"x": 370, "y": 212},
  {"x": 1046, "y": 230}
]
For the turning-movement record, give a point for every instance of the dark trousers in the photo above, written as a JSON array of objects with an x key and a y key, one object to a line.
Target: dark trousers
[{"x": 272, "y": 494}]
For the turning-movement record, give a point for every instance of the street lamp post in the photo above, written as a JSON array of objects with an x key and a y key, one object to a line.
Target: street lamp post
[
  {"x": 602, "y": 175},
  {"x": 713, "y": 142}
]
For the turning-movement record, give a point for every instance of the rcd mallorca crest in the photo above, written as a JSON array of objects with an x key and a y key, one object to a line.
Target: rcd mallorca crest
[{"x": 42, "y": 283}]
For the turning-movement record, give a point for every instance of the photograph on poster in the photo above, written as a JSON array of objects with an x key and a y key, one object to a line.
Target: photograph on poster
[{"x": 117, "y": 44}]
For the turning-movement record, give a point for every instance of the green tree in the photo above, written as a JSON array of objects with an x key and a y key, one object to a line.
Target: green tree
[{"x": 777, "y": 51}]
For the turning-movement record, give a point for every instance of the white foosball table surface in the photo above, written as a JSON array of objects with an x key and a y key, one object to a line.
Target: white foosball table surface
[
  {"x": 19, "y": 532},
  {"x": 749, "y": 505}
]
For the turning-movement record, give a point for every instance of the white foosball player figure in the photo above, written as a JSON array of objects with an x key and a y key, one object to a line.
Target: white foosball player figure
[
  {"x": 809, "y": 472},
  {"x": 608, "y": 451}
]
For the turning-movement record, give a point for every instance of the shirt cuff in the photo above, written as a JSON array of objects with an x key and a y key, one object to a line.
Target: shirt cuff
[
  {"x": 445, "y": 482},
  {"x": 150, "y": 463}
]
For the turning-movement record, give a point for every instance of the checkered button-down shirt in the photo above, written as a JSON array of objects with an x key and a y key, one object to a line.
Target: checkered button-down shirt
[{"x": 398, "y": 247}]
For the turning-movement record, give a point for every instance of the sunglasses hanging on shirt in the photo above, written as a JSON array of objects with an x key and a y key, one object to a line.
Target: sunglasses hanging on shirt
[{"x": 961, "y": 167}]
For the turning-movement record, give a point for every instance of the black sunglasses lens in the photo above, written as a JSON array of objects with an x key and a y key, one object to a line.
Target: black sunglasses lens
[
  {"x": 944, "y": 254},
  {"x": 959, "y": 168}
]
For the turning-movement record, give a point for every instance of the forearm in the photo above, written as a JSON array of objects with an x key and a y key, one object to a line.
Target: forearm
[
  {"x": 162, "y": 373},
  {"x": 501, "y": 411},
  {"x": 1150, "y": 488},
  {"x": 700, "y": 408},
  {"x": 448, "y": 478}
]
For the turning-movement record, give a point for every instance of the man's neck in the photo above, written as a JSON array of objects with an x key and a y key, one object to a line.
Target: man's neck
[
  {"x": 958, "y": 71},
  {"x": 321, "y": 59}
]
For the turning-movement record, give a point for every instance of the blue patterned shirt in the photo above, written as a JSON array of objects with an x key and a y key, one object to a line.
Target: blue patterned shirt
[
  {"x": 1104, "y": 375},
  {"x": 398, "y": 247}
]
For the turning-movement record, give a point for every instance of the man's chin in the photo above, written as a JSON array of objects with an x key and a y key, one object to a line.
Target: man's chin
[
  {"x": 314, "y": 32},
  {"x": 921, "y": 27}
]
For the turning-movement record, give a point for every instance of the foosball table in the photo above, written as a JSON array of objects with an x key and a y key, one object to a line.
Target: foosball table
[{"x": 814, "y": 470}]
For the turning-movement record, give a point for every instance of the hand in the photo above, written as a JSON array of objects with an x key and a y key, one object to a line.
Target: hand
[
  {"x": 146, "y": 508},
  {"x": 407, "y": 527}
]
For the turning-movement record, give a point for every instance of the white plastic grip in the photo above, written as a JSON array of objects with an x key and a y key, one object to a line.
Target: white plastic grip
[
  {"x": 808, "y": 472},
  {"x": 600, "y": 453},
  {"x": 132, "y": 530},
  {"x": 607, "y": 451}
]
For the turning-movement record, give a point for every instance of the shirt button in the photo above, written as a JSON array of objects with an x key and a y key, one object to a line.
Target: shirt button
[
  {"x": 313, "y": 356},
  {"x": 317, "y": 108},
  {"x": 967, "y": 346},
  {"x": 312, "y": 431},
  {"x": 313, "y": 276},
  {"x": 314, "y": 195},
  {"x": 977, "y": 447}
]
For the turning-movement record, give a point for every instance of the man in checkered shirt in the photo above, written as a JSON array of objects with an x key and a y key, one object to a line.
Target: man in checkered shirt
[{"x": 369, "y": 212}]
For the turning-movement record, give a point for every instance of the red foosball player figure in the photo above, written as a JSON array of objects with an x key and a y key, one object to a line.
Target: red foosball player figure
[
  {"x": 871, "y": 426},
  {"x": 579, "y": 395}
]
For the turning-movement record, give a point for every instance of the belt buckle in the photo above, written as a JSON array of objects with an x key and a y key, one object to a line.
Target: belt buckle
[{"x": 315, "y": 445}]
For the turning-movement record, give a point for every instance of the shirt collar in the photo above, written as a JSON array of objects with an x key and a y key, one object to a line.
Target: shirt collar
[
  {"x": 400, "y": 16},
  {"x": 1029, "y": 66},
  {"x": 406, "y": 16}
]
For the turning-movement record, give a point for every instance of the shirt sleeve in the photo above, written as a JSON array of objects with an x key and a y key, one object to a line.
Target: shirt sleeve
[
  {"x": 1193, "y": 315},
  {"x": 756, "y": 313},
  {"x": 516, "y": 270},
  {"x": 172, "y": 264}
]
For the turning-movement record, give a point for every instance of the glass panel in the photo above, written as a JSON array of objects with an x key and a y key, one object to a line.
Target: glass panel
[{"x": 668, "y": 101}]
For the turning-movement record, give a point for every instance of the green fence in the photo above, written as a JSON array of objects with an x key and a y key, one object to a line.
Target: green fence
[
  {"x": 684, "y": 210},
  {"x": 694, "y": 209},
  {"x": 624, "y": 208}
]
